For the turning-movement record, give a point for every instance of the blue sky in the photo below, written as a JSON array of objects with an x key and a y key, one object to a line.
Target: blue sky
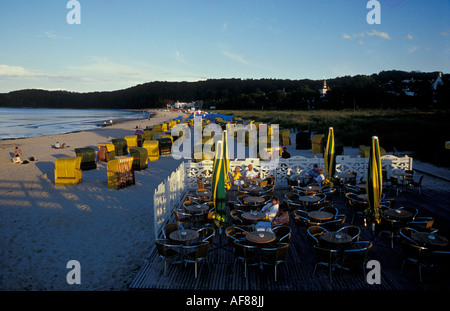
[{"x": 121, "y": 43}]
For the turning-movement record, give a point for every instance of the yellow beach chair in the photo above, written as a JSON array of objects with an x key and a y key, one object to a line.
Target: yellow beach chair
[
  {"x": 131, "y": 141},
  {"x": 316, "y": 142},
  {"x": 120, "y": 173},
  {"x": 68, "y": 171},
  {"x": 152, "y": 147}
]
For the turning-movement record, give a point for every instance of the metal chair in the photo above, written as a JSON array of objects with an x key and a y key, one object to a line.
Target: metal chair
[
  {"x": 415, "y": 254},
  {"x": 313, "y": 234},
  {"x": 326, "y": 257},
  {"x": 195, "y": 254},
  {"x": 274, "y": 256},
  {"x": 418, "y": 184},
  {"x": 282, "y": 232},
  {"x": 169, "y": 228},
  {"x": 353, "y": 231},
  {"x": 390, "y": 227},
  {"x": 248, "y": 254},
  {"x": 358, "y": 254},
  {"x": 167, "y": 251},
  {"x": 183, "y": 218},
  {"x": 207, "y": 234}
]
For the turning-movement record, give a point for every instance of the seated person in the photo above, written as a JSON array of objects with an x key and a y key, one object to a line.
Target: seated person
[
  {"x": 282, "y": 216},
  {"x": 320, "y": 177},
  {"x": 17, "y": 153},
  {"x": 238, "y": 179},
  {"x": 285, "y": 154},
  {"x": 251, "y": 173},
  {"x": 313, "y": 173},
  {"x": 271, "y": 210},
  {"x": 59, "y": 146}
]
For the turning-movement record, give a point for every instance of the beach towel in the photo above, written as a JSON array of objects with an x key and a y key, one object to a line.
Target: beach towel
[{"x": 16, "y": 160}]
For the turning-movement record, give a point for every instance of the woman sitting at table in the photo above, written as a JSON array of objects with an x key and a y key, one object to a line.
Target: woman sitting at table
[
  {"x": 238, "y": 179},
  {"x": 282, "y": 216}
]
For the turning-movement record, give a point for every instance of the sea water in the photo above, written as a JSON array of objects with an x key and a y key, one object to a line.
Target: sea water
[{"x": 31, "y": 122}]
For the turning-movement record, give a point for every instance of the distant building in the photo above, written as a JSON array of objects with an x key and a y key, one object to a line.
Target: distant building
[
  {"x": 438, "y": 81},
  {"x": 324, "y": 89},
  {"x": 181, "y": 105}
]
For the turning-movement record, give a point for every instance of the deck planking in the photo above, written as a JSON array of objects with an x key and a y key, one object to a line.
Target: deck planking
[{"x": 296, "y": 274}]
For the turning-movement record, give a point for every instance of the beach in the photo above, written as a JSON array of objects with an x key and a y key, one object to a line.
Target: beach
[
  {"x": 43, "y": 226},
  {"x": 108, "y": 231}
]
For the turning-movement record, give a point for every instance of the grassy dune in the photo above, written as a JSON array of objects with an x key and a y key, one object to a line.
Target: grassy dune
[{"x": 422, "y": 132}]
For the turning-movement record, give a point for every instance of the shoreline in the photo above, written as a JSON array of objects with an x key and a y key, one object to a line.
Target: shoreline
[{"x": 97, "y": 124}]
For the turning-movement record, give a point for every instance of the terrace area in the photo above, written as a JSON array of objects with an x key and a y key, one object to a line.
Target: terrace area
[{"x": 297, "y": 273}]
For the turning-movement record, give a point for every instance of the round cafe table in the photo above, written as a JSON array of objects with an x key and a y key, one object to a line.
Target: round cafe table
[
  {"x": 311, "y": 188},
  {"x": 197, "y": 208},
  {"x": 253, "y": 200},
  {"x": 252, "y": 189},
  {"x": 254, "y": 180},
  {"x": 345, "y": 176},
  {"x": 320, "y": 215},
  {"x": 430, "y": 239},
  {"x": 253, "y": 216},
  {"x": 402, "y": 174},
  {"x": 260, "y": 237},
  {"x": 309, "y": 199},
  {"x": 184, "y": 236},
  {"x": 362, "y": 197},
  {"x": 398, "y": 214},
  {"x": 336, "y": 238}
]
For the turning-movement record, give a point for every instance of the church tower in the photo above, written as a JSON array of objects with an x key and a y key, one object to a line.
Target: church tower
[{"x": 324, "y": 89}]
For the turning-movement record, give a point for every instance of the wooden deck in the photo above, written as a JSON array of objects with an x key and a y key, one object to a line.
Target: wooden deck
[{"x": 296, "y": 275}]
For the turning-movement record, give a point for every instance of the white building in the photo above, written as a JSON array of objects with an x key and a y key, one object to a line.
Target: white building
[{"x": 324, "y": 89}]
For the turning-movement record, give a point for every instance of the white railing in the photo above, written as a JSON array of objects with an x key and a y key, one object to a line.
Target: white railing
[
  {"x": 167, "y": 196},
  {"x": 282, "y": 168},
  {"x": 170, "y": 193}
]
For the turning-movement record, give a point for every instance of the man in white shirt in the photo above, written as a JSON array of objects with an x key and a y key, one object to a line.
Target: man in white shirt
[{"x": 251, "y": 172}]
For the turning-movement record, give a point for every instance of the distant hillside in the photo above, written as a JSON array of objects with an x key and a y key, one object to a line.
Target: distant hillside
[{"x": 388, "y": 89}]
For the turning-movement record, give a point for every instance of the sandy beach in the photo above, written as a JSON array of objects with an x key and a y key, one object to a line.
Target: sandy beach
[{"x": 43, "y": 226}]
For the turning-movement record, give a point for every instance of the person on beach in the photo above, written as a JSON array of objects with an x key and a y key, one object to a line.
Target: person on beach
[
  {"x": 59, "y": 146},
  {"x": 17, "y": 152}
]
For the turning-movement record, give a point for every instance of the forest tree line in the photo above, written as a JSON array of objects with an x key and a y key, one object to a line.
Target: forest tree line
[{"x": 386, "y": 90}]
